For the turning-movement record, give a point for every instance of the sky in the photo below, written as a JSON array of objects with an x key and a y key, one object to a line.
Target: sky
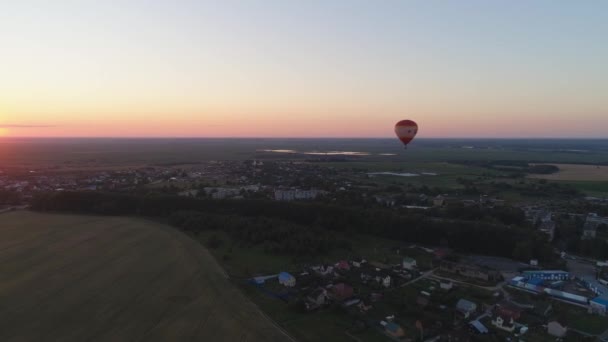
[{"x": 309, "y": 68}]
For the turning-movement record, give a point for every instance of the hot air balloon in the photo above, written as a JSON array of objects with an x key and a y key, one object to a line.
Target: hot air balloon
[{"x": 406, "y": 131}]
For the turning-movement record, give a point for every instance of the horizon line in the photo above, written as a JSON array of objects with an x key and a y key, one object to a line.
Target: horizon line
[{"x": 291, "y": 137}]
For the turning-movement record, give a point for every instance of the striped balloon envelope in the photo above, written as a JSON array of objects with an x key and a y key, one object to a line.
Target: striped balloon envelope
[{"x": 406, "y": 131}]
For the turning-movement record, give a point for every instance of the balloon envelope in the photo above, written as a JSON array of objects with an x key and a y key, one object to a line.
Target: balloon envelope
[{"x": 406, "y": 131}]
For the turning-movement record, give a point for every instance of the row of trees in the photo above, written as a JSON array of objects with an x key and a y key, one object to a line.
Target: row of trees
[
  {"x": 275, "y": 235},
  {"x": 251, "y": 218}
]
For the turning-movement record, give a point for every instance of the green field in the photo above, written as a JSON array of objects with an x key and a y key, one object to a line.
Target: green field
[
  {"x": 88, "y": 278},
  {"x": 77, "y": 152}
]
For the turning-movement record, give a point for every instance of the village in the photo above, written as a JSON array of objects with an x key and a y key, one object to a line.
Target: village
[
  {"x": 438, "y": 295},
  {"x": 413, "y": 292}
]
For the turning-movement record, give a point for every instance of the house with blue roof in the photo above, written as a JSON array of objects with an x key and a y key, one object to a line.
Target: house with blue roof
[
  {"x": 393, "y": 329},
  {"x": 287, "y": 279}
]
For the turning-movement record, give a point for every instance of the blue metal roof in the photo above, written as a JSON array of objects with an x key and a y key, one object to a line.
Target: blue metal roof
[
  {"x": 285, "y": 276},
  {"x": 600, "y": 300},
  {"x": 479, "y": 326},
  {"x": 535, "y": 281}
]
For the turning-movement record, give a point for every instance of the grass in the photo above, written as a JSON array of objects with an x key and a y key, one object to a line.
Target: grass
[
  {"x": 589, "y": 187},
  {"x": 78, "y": 278},
  {"x": 579, "y": 319}
]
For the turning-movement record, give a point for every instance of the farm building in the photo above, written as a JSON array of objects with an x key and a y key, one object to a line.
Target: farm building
[
  {"x": 547, "y": 275},
  {"x": 287, "y": 279}
]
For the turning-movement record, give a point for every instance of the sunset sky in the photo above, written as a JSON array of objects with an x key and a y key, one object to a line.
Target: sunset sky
[{"x": 303, "y": 68}]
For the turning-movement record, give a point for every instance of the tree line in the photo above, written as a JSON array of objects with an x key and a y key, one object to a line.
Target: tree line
[{"x": 265, "y": 220}]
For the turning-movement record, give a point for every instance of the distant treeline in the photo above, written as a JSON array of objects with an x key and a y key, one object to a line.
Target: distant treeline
[
  {"x": 513, "y": 166},
  {"x": 284, "y": 223}
]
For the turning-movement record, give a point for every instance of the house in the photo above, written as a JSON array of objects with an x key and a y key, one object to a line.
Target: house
[
  {"x": 557, "y": 328},
  {"x": 439, "y": 201},
  {"x": 341, "y": 292},
  {"x": 393, "y": 329},
  {"x": 504, "y": 322},
  {"x": 548, "y": 227},
  {"x": 323, "y": 270},
  {"x": 287, "y": 279},
  {"x": 465, "y": 307},
  {"x": 358, "y": 262},
  {"x": 316, "y": 299},
  {"x": 343, "y": 265},
  {"x": 446, "y": 285},
  {"x": 508, "y": 309},
  {"x": 477, "y": 327},
  {"x": 409, "y": 263},
  {"x": 470, "y": 270},
  {"x": 386, "y": 281},
  {"x": 589, "y": 230}
]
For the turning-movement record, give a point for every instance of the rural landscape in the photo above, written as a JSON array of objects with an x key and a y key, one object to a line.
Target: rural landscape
[
  {"x": 317, "y": 239},
  {"x": 304, "y": 171}
]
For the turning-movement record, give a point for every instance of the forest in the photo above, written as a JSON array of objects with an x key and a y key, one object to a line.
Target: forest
[{"x": 323, "y": 226}]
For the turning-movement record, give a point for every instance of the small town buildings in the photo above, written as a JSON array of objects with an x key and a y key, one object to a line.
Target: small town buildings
[
  {"x": 548, "y": 227},
  {"x": 592, "y": 221},
  {"x": 557, "y": 328},
  {"x": 409, "y": 263},
  {"x": 287, "y": 279},
  {"x": 465, "y": 307},
  {"x": 296, "y": 194}
]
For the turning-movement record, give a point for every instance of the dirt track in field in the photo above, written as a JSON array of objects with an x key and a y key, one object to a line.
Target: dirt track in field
[{"x": 88, "y": 278}]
